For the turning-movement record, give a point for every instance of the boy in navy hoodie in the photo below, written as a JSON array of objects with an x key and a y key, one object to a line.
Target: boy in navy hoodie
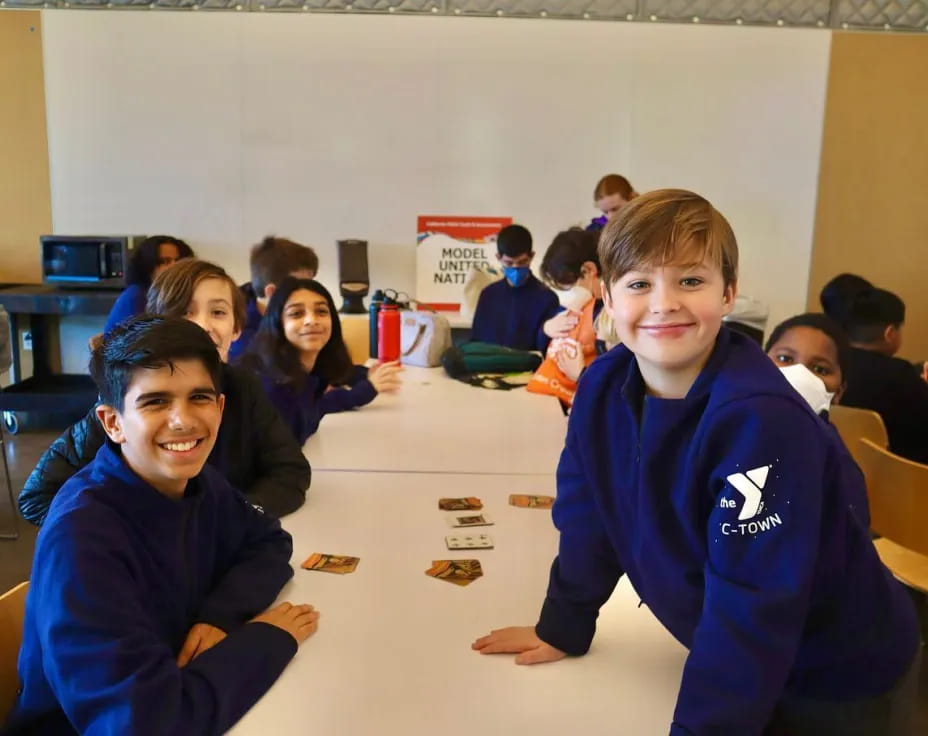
[
  {"x": 693, "y": 467},
  {"x": 144, "y": 613},
  {"x": 881, "y": 382},
  {"x": 512, "y": 311}
]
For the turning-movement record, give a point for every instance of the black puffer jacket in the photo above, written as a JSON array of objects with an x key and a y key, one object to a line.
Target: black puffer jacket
[{"x": 254, "y": 450}]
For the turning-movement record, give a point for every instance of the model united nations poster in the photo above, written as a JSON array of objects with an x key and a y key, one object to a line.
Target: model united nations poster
[{"x": 448, "y": 248}]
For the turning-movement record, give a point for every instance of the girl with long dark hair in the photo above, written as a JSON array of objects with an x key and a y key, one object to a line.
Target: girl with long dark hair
[{"x": 301, "y": 357}]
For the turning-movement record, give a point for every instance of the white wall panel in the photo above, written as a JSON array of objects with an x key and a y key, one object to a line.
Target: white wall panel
[{"x": 224, "y": 127}]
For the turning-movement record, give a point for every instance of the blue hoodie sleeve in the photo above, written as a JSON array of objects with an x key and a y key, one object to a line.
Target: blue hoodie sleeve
[
  {"x": 586, "y": 570},
  {"x": 109, "y": 670},
  {"x": 340, "y": 398},
  {"x": 303, "y": 411},
  {"x": 130, "y": 303},
  {"x": 768, "y": 462},
  {"x": 300, "y": 411},
  {"x": 259, "y": 567}
]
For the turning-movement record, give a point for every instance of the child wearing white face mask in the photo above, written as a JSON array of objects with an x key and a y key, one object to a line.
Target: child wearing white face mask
[
  {"x": 812, "y": 351},
  {"x": 571, "y": 266}
]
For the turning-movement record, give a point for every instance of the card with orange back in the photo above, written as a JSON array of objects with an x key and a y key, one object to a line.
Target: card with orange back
[
  {"x": 471, "y": 503},
  {"x": 459, "y": 572},
  {"x": 338, "y": 564},
  {"x": 524, "y": 501}
]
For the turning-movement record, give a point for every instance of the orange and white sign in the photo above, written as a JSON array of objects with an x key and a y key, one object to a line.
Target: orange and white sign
[{"x": 447, "y": 248}]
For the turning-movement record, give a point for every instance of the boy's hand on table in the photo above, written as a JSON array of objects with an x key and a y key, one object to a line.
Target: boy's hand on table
[
  {"x": 561, "y": 324},
  {"x": 521, "y": 641},
  {"x": 200, "y": 638},
  {"x": 300, "y": 621},
  {"x": 385, "y": 376}
]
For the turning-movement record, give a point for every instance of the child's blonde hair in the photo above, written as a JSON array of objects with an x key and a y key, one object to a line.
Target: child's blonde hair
[
  {"x": 173, "y": 289},
  {"x": 667, "y": 226}
]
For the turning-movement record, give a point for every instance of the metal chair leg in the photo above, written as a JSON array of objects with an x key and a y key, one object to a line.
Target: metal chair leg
[{"x": 14, "y": 513}]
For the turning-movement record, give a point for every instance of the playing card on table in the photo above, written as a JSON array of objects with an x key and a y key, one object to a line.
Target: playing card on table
[
  {"x": 524, "y": 501},
  {"x": 460, "y": 504},
  {"x": 474, "y": 520},
  {"x": 459, "y": 572},
  {"x": 469, "y": 541},
  {"x": 339, "y": 564}
]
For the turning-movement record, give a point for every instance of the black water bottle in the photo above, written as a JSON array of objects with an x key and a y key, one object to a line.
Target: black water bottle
[{"x": 373, "y": 312}]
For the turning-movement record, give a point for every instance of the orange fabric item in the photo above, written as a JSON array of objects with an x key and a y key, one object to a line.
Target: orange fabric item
[{"x": 549, "y": 379}]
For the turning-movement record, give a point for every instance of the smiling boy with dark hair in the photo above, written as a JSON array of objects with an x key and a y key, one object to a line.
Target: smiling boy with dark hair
[{"x": 144, "y": 613}]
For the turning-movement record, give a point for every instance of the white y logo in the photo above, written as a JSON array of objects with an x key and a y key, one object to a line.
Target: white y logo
[{"x": 749, "y": 485}]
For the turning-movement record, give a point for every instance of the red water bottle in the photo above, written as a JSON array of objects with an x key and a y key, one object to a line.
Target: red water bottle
[{"x": 388, "y": 331}]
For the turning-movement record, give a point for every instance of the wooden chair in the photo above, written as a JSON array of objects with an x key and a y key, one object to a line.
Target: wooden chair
[
  {"x": 898, "y": 492},
  {"x": 356, "y": 334},
  {"x": 853, "y": 424},
  {"x": 12, "y": 611}
]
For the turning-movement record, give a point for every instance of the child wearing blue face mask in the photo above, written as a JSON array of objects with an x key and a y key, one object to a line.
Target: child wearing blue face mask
[{"x": 512, "y": 312}]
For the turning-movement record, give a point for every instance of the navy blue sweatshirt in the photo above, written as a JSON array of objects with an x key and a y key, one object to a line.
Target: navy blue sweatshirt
[
  {"x": 735, "y": 512},
  {"x": 302, "y": 409},
  {"x": 897, "y": 393},
  {"x": 121, "y": 573},
  {"x": 129, "y": 303},
  {"x": 252, "y": 322},
  {"x": 514, "y": 316}
]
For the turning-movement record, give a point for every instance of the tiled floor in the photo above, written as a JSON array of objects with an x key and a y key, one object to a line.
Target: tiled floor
[{"x": 16, "y": 556}]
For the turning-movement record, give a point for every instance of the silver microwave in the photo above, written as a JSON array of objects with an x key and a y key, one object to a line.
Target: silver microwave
[{"x": 98, "y": 261}]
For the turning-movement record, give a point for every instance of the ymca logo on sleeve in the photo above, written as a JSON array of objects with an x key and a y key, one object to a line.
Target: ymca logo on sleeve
[{"x": 750, "y": 487}]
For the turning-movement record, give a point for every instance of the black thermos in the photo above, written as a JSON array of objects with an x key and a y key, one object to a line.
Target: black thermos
[{"x": 374, "y": 311}]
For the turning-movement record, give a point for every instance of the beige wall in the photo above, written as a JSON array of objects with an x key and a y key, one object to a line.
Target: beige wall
[
  {"x": 872, "y": 214},
  {"x": 25, "y": 202}
]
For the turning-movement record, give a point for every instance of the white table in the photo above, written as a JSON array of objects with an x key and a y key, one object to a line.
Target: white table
[
  {"x": 392, "y": 655},
  {"x": 458, "y": 321},
  {"x": 437, "y": 424}
]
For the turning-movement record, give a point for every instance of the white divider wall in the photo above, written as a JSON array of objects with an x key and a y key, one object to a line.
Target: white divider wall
[{"x": 222, "y": 128}]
